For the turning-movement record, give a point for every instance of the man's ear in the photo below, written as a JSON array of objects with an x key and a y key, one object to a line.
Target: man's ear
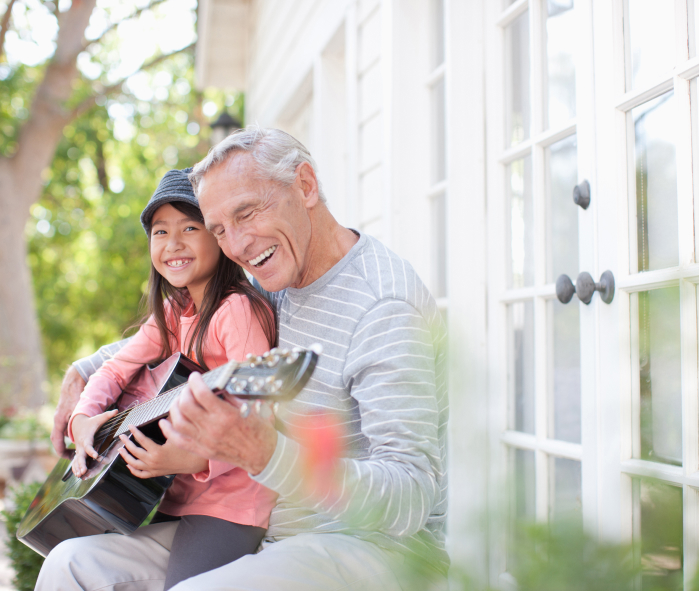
[{"x": 308, "y": 183}]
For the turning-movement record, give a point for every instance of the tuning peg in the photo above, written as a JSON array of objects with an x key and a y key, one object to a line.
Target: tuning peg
[
  {"x": 244, "y": 410},
  {"x": 258, "y": 406},
  {"x": 293, "y": 356},
  {"x": 317, "y": 348},
  {"x": 275, "y": 408},
  {"x": 240, "y": 386}
]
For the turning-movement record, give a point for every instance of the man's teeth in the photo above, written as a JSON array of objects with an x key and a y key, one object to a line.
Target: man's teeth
[
  {"x": 177, "y": 263},
  {"x": 263, "y": 256}
]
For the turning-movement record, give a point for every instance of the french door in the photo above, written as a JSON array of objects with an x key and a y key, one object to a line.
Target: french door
[{"x": 596, "y": 405}]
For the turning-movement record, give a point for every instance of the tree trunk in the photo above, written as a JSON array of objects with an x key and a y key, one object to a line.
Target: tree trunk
[{"x": 22, "y": 367}]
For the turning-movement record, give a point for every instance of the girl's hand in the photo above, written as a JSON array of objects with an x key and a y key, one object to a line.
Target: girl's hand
[
  {"x": 84, "y": 429},
  {"x": 152, "y": 460}
]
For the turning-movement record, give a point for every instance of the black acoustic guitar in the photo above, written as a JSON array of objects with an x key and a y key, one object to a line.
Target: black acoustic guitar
[{"x": 109, "y": 499}]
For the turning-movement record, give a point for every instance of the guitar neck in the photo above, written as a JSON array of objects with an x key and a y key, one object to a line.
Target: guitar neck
[
  {"x": 160, "y": 405},
  {"x": 277, "y": 375}
]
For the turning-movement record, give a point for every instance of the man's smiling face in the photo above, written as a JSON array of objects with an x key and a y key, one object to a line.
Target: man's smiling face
[{"x": 260, "y": 224}]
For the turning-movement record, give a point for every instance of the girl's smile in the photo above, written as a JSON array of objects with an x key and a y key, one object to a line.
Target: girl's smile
[{"x": 183, "y": 251}]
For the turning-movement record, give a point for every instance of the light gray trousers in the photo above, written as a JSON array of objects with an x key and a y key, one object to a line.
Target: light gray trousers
[{"x": 310, "y": 562}]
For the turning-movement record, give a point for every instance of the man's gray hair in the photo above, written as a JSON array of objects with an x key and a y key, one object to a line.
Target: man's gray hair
[{"x": 276, "y": 154}]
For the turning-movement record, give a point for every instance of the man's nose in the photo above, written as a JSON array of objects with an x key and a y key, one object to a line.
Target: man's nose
[{"x": 236, "y": 244}]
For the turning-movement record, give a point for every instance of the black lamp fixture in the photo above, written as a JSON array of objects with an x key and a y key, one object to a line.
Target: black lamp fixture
[{"x": 224, "y": 125}]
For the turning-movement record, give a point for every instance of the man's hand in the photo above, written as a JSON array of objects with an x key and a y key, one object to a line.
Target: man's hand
[
  {"x": 152, "y": 459},
  {"x": 212, "y": 428},
  {"x": 71, "y": 388}
]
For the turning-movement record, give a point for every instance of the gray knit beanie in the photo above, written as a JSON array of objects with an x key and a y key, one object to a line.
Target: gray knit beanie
[{"x": 174, "y": 186}]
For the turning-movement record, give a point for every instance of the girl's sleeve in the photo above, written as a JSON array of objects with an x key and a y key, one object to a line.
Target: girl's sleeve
[
  {"x": 105, "y": 386},
  {"x": 239, "y": 332}
]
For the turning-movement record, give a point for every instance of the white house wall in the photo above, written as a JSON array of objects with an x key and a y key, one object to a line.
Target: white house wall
[{"x": 353, "y": 80}]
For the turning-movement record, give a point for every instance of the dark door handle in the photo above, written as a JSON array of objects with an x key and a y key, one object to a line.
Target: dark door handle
[
  {"x": 585, "y": 287},
  {"x": 581, "y": 194}
]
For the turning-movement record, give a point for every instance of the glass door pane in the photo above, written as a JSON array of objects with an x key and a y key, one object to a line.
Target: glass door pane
[
  {"x": 518, "y": 114},
  {"x": 560, "y": 62},
  {"x": 655, "y": 126},
  {"x": 660, "y": 375},
  {"x": 651, "y": 33}
]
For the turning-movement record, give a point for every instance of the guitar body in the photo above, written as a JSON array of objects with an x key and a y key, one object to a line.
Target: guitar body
[{"x": 109, "y": 498}]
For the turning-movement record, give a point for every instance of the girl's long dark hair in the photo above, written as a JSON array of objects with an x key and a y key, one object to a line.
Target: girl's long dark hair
[{"x": 228, "y": 279}]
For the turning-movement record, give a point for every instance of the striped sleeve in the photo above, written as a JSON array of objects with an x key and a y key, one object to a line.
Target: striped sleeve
[
  {"x": 89, "y": 365},
  {"x": 390, "y": 371}
]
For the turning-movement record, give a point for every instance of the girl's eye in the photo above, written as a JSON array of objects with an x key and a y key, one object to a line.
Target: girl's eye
[{"x": 158, "y": 232}]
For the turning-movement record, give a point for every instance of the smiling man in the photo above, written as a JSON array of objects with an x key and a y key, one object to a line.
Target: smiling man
[{"x": 375, "y": 520}]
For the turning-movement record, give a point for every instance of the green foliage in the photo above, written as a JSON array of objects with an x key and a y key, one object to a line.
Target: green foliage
[
  {"x": 561, "y": 556},
  {"x": 25, "y": 562},
  {"x": 86, "y": 248},
  {"x": 25, "y": 425}
]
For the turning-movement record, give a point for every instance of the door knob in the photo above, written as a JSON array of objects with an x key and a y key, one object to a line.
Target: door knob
[
  {"x": 585, "y": 287},
  {"x": 581, "y": 194}
]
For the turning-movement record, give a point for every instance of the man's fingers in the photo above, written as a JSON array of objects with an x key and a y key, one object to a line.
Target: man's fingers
[
  {"x": 134, "y": 450},
  {"x": 173, "y": 436},
  {"x": 145, "y": 442},
  {"x": 131, "y": 460},
  {"x": 58, "y": 440},
  {"x": 201, "y": 394}
]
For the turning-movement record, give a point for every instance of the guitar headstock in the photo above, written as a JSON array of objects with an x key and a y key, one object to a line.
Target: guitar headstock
[{"x": 276, "y": 376}]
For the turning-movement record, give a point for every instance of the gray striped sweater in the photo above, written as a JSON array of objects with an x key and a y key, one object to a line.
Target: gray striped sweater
[{"x": 383, "y": 372}]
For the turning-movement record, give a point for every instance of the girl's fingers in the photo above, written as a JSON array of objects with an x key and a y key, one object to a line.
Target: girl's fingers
[
  {"x": 104, "y": 417},
  {"x": 79, "y": 466},
  {"x": 90, "y": 451}
]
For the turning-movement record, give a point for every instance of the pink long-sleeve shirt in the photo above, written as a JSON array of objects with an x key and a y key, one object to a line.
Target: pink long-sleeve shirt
[{"x": 223, "y": 490}]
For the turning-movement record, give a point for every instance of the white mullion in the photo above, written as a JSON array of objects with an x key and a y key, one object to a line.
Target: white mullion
[
  {"x": 689, "y": 69},
  {"x": 536, "y": 50},
  {"x": 631, "y": 401},
  {"x": 543, "y": 140},
  {"x": 521, "y": 150},
  {"x": 630, "y": 264},
  {"x": 588, "y": 258},
  {"x": 626, "y": 42},
  {"x": 436, "y": 75},
  {"x": 496, "y": 220},
  {"x": 351, "y": 100},
  {"x": 690, "y": 534},
  {"x": 547, "y": 291},
  {"x": 512, "y": 13},
  {"x": 637, "y": 97},
  {"x": 646, "y": 469}
]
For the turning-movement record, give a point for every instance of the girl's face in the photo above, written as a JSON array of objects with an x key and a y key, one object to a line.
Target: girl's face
[{"x": 183, "y": 251}]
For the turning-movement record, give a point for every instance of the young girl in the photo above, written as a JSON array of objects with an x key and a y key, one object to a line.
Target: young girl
[{"x": 202, "y": 305}]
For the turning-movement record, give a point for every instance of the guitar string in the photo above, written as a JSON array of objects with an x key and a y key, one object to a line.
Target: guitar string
[{"x": 160, "y": 403}]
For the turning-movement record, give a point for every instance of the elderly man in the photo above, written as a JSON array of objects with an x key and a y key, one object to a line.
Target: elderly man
[{"x": 382, "y": 373}]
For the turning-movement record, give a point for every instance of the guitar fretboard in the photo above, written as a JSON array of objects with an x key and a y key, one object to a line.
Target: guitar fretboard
[{"x": 160, "y": 405}]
